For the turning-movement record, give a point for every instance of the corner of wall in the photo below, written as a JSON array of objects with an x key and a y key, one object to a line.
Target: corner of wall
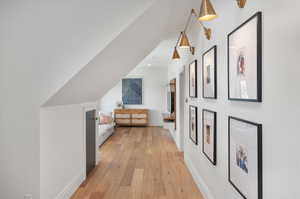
[{"x": 70, "y": 189}]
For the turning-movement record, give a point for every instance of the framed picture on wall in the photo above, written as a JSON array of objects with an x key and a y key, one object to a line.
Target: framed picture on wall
[
  {"x": 209, "y": 73},
  {"x": 132, "y": 91},
  {"x": 209, "y": 135},
  {"x": 193, "y": 79},
  {"x": 194, "y": 124},
  {"x": 245, "y": 61},
  {"x": 245, "y": 157}
]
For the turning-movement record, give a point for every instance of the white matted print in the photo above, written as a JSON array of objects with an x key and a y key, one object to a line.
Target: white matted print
[
  {"x": 194, "y": 124},
  {"x": 193, "y": 79},
  {"x": 245, "y": 60},
  {"x": 245, "y": 157},
  {"x": 209, "y": 73},
  {"x": 209, "y": 135}
]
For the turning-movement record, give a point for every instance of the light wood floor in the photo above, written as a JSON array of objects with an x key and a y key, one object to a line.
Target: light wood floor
[{"x": 139, "y": 163}]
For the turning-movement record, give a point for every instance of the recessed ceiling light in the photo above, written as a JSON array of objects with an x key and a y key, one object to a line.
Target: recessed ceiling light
[{"x": 148, "y": 64}]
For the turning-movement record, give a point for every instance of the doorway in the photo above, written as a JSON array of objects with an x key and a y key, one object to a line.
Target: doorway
[{"x": 90, "y": 138}]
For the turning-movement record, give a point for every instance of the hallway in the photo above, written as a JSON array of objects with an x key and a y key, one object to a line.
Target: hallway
[{"x": 139, "y": 163}]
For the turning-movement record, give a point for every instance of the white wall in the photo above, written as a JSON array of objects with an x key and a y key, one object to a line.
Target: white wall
[
  {"x": 154, "y": 93},
  {"x": 62, "y": 150},
  {"x": 279, "y": 111},
  {"x": 43, "y": 44}
]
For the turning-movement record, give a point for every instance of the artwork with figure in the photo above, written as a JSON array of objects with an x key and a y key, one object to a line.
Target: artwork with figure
[
  {"x": 241, "y": 85},
  {"x": 132, "y": 91},
  {"x": 209, "y": 135},
  {"x": 209, "y": 73},
  {"x": 241, "y": 64},
  {"x": 208, "y": 77},
  {"x": 245, "y": 157},
  {"x": 245, "y": 61},
  {"x": 193, "y": 79},
  {"x": 193, "y": 124},
  {"x": 241, "y": 158}
]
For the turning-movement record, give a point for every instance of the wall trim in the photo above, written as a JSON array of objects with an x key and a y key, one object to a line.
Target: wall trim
[
  {"x": 174, "y": 134},
  {"x": 70, "y": 189},
  {"x": 198, "y": 179},
  {"x": 177, "y": 140}
]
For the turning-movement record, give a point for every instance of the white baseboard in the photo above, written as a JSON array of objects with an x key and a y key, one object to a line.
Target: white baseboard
[
  {"x": 198, "y": 179},
  {"x": 177, "y": 141},
  {"x": 174, "y": 134},
  {"x": 70, "y": 189}
]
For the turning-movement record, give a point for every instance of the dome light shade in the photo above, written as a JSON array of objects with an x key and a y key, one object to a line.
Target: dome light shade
[
  {"x": 184, "y": 41},
  {"x": 175, "y": 54},
  {"x": 207, "y": 11}
]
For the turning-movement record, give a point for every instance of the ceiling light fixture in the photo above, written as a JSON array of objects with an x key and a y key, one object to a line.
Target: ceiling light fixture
[{"x": 207, "y": 11}]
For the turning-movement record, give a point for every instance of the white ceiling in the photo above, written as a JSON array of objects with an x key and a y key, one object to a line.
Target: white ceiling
[
  {"x": 56, "y": 39},
  {"x": 116, "y": 55},
  {"x": 161, "y": 56}
]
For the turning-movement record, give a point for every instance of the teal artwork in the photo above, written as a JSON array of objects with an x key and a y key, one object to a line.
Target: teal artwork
[{"x": 132, "y": 91}]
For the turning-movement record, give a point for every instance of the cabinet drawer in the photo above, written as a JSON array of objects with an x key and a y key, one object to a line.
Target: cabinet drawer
[
  {"x": 118, "y": 115},
  {"x": 140, "y": 121},
  {"x": 123, "y": 121},
  {"x": 139, "y": 116}
]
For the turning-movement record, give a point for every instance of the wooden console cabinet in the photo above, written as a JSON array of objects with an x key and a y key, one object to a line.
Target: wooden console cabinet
[{"x": 131, "y": 117}]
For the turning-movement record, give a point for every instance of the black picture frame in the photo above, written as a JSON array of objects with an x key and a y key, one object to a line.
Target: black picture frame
[
  {"x": 259, "y": 157},
  {"x": 214, "y": 48},
  {"x": 196, "y": 124},
  {"x": 257, "y": 15},
  {"x": 214, "y": 160},
  {"x": 196, "y": 79}
]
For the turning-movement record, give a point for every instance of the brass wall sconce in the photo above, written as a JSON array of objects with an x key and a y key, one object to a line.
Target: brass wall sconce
[
  {"x": 175, "y": 54},
  {"x": 207, "y": 31},
  {"x": 183, "y": 41},
  {"x": 241, "y": 3},
  {"x": 192, "y": 49},
  {"x": 207, "y": 12}
]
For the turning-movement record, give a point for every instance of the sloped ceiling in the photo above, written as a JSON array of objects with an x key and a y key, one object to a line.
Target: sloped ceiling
[
  {"x": 123, "y": 53},
  {"x": 51, "y": 40}
]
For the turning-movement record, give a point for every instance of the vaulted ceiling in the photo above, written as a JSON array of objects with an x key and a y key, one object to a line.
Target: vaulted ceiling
[
  {"x": 139, "y": 35},
  {"x": 83, "y": 48}
]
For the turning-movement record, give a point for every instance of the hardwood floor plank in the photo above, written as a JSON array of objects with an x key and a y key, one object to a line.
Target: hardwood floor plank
[
  {"x": 137, "y": 183},
  {"x": 139, "y": 163}
]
